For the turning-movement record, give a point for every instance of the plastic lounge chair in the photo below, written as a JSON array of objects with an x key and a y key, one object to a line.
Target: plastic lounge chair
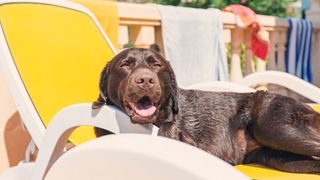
[
  {"x": 51, "y": 51},
  {"x": 51, "y": 55},
  {"x": 118, "y": 156},
  {"x": 283, "y": 79},
  {"x": 53, "y": 91}
]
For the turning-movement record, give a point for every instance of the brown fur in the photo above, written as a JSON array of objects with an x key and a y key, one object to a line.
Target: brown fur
[{"x": 260, "y": 127}]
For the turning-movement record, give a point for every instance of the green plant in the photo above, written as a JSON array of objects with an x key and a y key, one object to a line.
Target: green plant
[
  {"x": 278, "y": 8},
  {"x": 271, "y": 7}
]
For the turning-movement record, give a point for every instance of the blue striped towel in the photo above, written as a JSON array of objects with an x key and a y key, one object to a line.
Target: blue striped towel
[{"x": 298, "y": 48}]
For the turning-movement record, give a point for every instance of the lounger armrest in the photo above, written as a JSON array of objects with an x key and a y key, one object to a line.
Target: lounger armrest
[
  {"x": 286, "y": 80},
  {"x": 140, "y": 157},
  {"x": 71, "y": 117}
]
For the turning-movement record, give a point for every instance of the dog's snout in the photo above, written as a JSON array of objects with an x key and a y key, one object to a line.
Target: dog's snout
[{"x": 145, "y": 80}]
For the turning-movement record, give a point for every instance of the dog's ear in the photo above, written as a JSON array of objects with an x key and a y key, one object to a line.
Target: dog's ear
[
  {"x": 155, "y": 47},
  {"x": 174, "y": 91},
  {"x": 103, "y": 96},
  {"x": 98, "y": 103}
]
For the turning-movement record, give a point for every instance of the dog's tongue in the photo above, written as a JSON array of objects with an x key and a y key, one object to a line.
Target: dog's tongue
[{"x": 144, "y": 109}]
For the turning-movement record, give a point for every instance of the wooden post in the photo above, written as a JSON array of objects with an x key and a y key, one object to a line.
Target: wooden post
[
  {"x": 142, "y": 36},
  {"x": 281, "y": 50},
  {"x": 158, "y": 39},
  {"x": 273, "y": 38},
  {"x": 236, "y": 39},
  {"x": 123, "y": 36},
  {"x": 315, "y": 58},
  {"x": 261, "y": 64},
  {"x": 248, "y": 53}
]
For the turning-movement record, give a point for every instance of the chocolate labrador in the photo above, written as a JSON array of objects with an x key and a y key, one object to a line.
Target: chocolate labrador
[{"x": 240, "y": 128}]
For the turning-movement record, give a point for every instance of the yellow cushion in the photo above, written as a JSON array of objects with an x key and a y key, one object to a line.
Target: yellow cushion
[
  {"x": 107, "y": 14},
  {"x": 315, "y": 107},
  {"x": 259, "y": 172},
  {"x": 59, "y": 53}
]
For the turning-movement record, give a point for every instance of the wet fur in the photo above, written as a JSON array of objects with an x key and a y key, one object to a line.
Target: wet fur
[{"x": 264, "y": 128}]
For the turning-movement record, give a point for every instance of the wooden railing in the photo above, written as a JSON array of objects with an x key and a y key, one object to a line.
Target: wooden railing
[{"x": 140, "y": 25}]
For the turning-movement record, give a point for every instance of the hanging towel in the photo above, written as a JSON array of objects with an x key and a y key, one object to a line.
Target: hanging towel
[
  {"x": 193, "y": 43},
  {"x": 107, "y": 14},
  {"x": 298, "y": 48},
  {"x": 247, "y": 18}
]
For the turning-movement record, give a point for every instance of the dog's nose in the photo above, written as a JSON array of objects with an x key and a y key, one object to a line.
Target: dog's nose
[{"x": 145, "y": 80}]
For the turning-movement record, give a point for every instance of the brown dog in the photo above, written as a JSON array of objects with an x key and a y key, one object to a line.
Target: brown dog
[{"x": 263, "y": 128}]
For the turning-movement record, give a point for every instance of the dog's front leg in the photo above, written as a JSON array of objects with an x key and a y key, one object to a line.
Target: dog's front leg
[{"x": 171, "y": 130}]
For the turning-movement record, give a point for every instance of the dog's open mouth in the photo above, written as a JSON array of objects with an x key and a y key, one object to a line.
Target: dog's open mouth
[{"x": 142, "y": 111}]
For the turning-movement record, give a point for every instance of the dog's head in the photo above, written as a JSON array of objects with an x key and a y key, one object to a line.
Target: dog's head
[{"x": 141, "y": 83}]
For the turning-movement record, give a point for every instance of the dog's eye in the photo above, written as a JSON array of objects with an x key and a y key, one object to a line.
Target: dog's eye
[
  {"x": 124, "y": 64},
  {"x": 153, "y": 62},
  {"x": 129, "y": 62}
]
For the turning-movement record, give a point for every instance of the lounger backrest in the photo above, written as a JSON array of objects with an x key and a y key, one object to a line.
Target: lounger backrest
[{"x": 58, "y": 52}]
